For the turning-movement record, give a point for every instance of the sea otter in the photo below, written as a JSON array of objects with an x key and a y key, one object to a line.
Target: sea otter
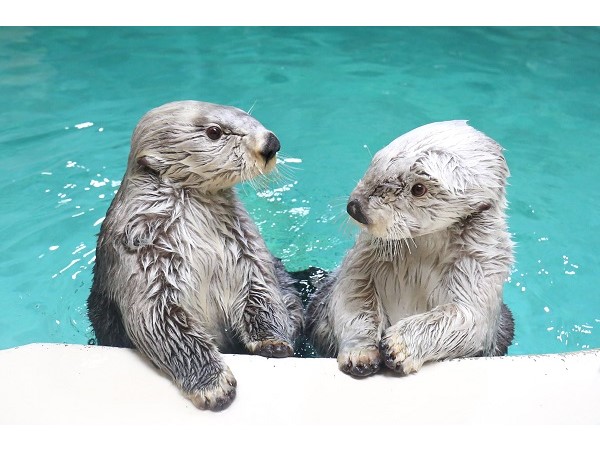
[
  {"x": 182, "y": 272},
  {"x": 424, "y": 280}
]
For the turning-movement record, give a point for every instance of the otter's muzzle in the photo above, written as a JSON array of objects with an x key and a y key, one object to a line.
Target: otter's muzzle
[
  {"x": 356, "y": 212},
  {"x": 271, "y": 148}
]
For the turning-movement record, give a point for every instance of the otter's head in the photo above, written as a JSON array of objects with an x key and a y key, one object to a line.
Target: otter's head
[
  {"x": 201, "y": 145},
  {"x": 429, "y": 179}
]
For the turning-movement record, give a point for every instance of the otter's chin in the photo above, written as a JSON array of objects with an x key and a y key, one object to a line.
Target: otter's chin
[
  {"x": 258, "y": 166},
  {"x": 374, "y": 231},
  {"x": 270, "y": 165},
  {"x": 383, "y": 233}
]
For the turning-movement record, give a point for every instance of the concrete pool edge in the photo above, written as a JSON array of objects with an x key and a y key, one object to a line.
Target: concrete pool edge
[{"x": 46, "y": 384}]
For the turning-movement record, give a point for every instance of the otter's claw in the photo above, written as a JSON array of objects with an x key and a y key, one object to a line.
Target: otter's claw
[
  {"x": 217, "y": 395},
  {"x": 396, "y": 354},
  {"x": 360, "y": 362},
  {"x": 271, "y": 349}
]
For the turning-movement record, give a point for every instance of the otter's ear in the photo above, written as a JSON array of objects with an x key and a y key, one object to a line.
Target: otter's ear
[{"x": 150, "y": 163}]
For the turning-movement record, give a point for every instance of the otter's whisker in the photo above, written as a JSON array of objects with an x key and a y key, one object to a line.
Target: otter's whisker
[
  {"x": 339, "y": 204},
  {"x": 252, "y": 182},
  {"x": 413, "y": 242},
  {"x": 284, "y": 173},
  {"x": 280, "y": 176},
  {"x": 242, "y": 186},
  {"x": 259, "y": 183},
  {"x": 348, "y": 227},
  {"x": 398, "y": 248},
  {"x": 251, "y": 108},
  {"x": 407, "y": 245},
  {"x": 288, "y": 169}
]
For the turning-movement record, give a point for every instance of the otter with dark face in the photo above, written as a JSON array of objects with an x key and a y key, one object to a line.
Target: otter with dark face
[
  {"x": 182, "y": 272},
  {"x": 424, "y": 280}
]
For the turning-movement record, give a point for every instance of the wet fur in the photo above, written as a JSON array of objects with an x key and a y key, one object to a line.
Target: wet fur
[
  {"x": 181, "y": 271},
  {"x": 424, "y": 280}
]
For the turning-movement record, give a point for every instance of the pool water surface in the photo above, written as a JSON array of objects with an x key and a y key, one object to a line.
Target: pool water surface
[{"x": 70, "y": 98}]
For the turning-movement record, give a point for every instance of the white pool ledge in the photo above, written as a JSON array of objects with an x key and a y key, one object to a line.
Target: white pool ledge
[{"x": 45, "y": 384}]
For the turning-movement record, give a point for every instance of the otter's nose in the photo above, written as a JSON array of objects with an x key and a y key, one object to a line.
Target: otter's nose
[
  {"x": 356, "y": 212},
  {"x": 271, "y": 147}
]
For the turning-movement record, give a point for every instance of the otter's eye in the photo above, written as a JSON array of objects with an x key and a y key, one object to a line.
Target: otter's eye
[
  {"x": 418, "y": 190},
  {"x": 214, "y": 132}
]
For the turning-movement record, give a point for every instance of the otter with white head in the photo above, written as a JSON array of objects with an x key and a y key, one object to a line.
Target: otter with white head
[
  {"x": 182, "y": 272},
  {"x": 424, "y": 280}
]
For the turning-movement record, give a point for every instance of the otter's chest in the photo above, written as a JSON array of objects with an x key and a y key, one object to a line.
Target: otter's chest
[
  {"x": 218, "y": 270},
  {"x": 412, "y": 282}
]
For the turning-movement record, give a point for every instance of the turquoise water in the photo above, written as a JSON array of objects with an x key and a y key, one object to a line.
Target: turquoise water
[{"x": 70, "y": 98}]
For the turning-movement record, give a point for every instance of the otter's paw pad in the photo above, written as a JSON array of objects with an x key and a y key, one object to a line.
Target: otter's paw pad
[
  {"x": 271, "y": 348},
  {"x": 396, "y": 355},
  {"x": 217, "y": 395},
  {"x": 360, "y": 362}
]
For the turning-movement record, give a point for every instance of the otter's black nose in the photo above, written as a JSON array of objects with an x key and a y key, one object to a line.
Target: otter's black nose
[
  {"x": 271, "y": 148},
  {"x": 356, "y": 212}
]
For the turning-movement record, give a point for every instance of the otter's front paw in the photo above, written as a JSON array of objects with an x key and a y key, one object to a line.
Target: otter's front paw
[
  {"x": 396, "y": 354},
  {"x": 271, "y": 348},
  {"x": 360, "y": 362},
  {"x": 217, "y": 395}
]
